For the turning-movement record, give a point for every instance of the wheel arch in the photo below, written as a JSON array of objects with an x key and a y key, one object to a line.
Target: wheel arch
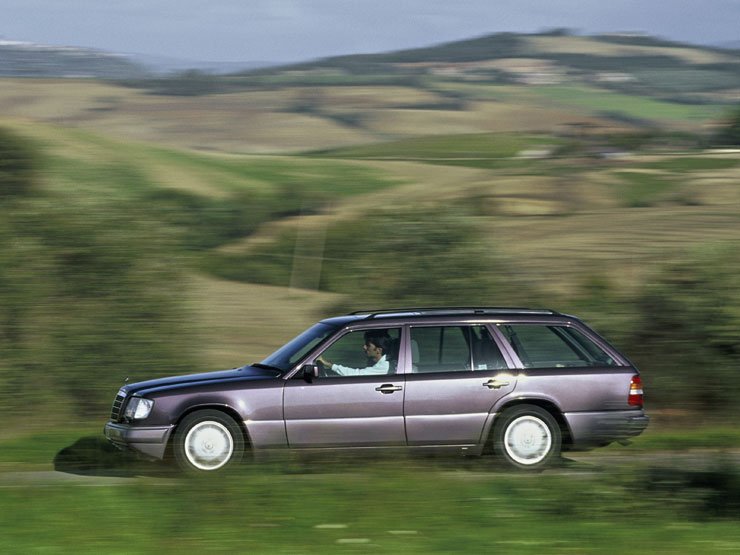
[
  {"x": 226, "y": 409},
  {"x": 549, "y": 406}
]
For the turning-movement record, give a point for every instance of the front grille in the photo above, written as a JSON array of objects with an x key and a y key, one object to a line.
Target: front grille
[{"x": 115, "y": 413}]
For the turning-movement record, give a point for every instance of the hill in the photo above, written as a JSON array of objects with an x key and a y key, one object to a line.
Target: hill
[
  {"x": 479, "y": 181},
  {"x": 632, "y": 64},
  {"x": 553, "y": 84},
  {"x": 23, "y": 59},
  {"x": 629, "y": 63}
]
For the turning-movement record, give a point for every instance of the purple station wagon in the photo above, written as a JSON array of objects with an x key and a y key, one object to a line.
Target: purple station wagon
[{"x": 521, "y": 384}]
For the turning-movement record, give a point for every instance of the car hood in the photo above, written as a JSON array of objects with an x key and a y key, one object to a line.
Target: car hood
[{"x": 245, "y": 373}]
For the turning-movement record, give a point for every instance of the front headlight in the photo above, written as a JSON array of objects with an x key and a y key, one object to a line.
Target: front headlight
[{"x": 138, "y": 408}]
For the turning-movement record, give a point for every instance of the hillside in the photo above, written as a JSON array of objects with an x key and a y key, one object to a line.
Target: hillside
[
  {"x": 628, "y": 63},
  {"x": 20, "y": 59},
  {"x": 299, "y": 186},
  {"x": 635, "y": 64},
  {"x": 555, "y": 84}
]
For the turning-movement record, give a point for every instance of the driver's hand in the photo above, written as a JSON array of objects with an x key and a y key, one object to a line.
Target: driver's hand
[{"x": 323, "y": 362}]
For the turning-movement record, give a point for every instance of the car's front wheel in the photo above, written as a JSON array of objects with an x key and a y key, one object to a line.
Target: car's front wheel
[
  {"x": 208, "y": 441},
  {"x": 527, "y": 437}
]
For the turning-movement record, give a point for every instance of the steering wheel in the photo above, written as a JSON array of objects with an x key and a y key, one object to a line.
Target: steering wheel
[{"x": 326, "y": 371}]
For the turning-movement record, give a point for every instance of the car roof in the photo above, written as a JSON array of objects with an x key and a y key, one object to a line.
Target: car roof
[{"x": 420, "y": 313}]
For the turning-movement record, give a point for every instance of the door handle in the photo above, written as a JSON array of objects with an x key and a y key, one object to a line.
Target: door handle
[
  {"x": 495, "y": 384},
  {"x": 388, "y": 388}
]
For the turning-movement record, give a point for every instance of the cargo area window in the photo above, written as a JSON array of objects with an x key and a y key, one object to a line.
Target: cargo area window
[{"x": 542, "y": 346}]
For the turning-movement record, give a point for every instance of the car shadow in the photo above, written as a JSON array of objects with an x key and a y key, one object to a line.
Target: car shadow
[{"x": 95, "y": 456}]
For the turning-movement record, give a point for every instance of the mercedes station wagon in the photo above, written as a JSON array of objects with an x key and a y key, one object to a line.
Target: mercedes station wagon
[{"x": 519, "y": 384}]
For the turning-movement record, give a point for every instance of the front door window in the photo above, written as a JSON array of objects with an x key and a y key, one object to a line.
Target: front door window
[{"x": 369, "y": 352}]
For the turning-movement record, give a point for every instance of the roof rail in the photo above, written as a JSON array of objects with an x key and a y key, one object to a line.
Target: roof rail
[{"x": 454, "y": 310}]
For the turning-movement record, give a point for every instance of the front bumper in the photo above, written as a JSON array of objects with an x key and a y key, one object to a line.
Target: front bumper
[
  {"x": 151, "y": 442},
  {"x": 598, "y": 428}
]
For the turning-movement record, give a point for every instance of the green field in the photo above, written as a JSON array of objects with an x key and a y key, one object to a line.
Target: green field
[
  {"x": 600, "y": 101},
  {"x": 450, "y": 147},
  {"x": 110, "y": 502},
  {"x": 419, "y": 510}
]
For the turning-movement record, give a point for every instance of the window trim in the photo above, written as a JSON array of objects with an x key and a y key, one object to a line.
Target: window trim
[
  {"x": 346, "y": 330},
  {"x": 512, "y": 364}
]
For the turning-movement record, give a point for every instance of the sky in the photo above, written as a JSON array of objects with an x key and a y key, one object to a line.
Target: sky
[{"x": 296, "y": 30}]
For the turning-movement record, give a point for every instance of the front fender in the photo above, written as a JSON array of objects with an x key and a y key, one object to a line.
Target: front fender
[{"x": 258, "y": 410}]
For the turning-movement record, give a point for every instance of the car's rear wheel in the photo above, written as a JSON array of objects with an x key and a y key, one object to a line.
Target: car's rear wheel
[
  {"x": 208, "y": 441},
  {"x": 527, "y": 437}
]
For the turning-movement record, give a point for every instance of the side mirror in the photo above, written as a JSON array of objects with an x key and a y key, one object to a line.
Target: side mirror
[{"x": 310, "y": 372}]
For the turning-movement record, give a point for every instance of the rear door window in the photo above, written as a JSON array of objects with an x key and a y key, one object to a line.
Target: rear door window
[{"x": 454, "y": 349}]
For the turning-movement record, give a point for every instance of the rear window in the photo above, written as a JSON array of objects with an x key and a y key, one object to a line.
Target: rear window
[{"x": 542, "y": 346}]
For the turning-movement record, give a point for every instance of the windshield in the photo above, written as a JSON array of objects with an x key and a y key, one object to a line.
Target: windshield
[{"x": 289, "y": 354}]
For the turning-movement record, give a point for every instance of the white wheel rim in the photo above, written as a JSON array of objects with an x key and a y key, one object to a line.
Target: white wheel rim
[
  {"x": 527, "y": 440},
  {"x": 209, "y": 445}
]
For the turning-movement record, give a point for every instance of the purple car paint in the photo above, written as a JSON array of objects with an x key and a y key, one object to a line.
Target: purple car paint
[{"x": 522, "y": 384}]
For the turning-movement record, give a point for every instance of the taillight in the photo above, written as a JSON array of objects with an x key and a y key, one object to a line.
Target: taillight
[{"x": 635, "y": 397}]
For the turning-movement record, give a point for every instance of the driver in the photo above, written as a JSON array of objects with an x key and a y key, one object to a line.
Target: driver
[{"x": 377, "y": 343}]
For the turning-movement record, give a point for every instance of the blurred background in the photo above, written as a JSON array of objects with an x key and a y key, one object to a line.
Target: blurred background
[{"x": 161, "y": 216}]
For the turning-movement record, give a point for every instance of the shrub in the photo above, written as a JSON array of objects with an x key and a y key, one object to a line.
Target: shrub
[
  {"x": 421, "y": 255},
  {"x": 687, "y": 329},
  {"x": 17, "y": 166},
  {"x": 88, "y": 299},
  {"x": 729, "y": 135}
]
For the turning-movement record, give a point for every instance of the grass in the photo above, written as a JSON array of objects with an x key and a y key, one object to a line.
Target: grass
[
  {"x": 38, "y": 448},
  {"x": 230, "y": 333},
  {"x": 599, "y": 101},
  {"x": 399, "y": 506},
  {"x": 639, "y": 189},
  {"x": 689, "y": 80},
  {"x": 598, "y": 47},
  {"x": 99, "y": 166},
  {"x": 553, "y": 228},
  {"x": 693, "y": 163},
  {"x": 94, "y": 164},
  {"x": 477, "y": 150},
  {"x": 208, "y": 199},
  {"x": 332, "y": 178},
  {"x": 715, "y": 436}
]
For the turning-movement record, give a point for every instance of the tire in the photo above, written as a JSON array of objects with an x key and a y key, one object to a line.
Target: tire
[
  {"x": 208, "y": 441},
  {"x": 527, "y": 437}
]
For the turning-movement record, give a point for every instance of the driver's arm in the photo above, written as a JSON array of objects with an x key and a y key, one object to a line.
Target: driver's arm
[{"x": 338, "y": 368}]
